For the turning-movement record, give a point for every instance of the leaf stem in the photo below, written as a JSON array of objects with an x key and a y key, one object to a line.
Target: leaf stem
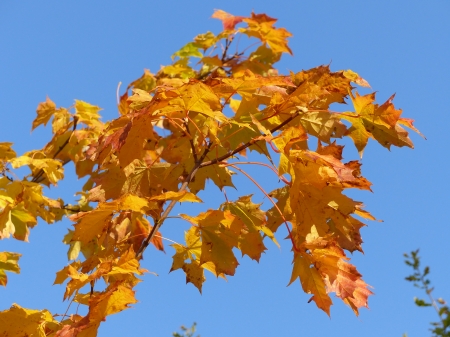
[{"x": 271, "y": 200}]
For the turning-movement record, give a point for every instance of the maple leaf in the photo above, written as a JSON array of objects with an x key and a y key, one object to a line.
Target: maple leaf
[
  {"x": 221, "y": 176},
  {"x": 350, "y": 74},
  {"x": 92, "y": 224},
  {"x": 115, "y": 299},
  {"x": 323, "y": 125},
  {"x": 274, "y": 218},
  {"x": 140, "y": 133},
  {"x": 18, "y": 321},
  {"x": 261, "y": 27},
  {"x": 138, "y": 230},
  {"x": 311, "y": 281},
  {"x": 51, "y": 167},
  {"x": 317, "y": 184},
  {"x": 6, "y": 153},
  {"x": 229, "y": 21},
  {"x": 259, "y": 61},
  {"x": 8, "y": 262},
  {"x": 205, "y": 41},
  {"x": 250, "y": 241},
  {"x": 340, "y": 276},
  {"x": 180, "y": 69},
  {"x": 373, "y": 121},
  {"x": 16, "y": 221},
  {"x": 192, "y": 251},
  {"x": 188, "y": 50},
  {"x": 219, "y": 232},
  {"x": 247, "y": 84},
  {"x": 44, "y": 112},
  {"x": 146, "y": 82},
  {"x": 88, "y": 114},
  {"x": 178, "y": 196}
]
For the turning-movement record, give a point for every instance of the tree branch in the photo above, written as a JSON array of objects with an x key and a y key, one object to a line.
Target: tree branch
[
  {"x": 246, "y": 145},
  {"x": 159, "y": 222},
  {"x": 198, "y": 165}
]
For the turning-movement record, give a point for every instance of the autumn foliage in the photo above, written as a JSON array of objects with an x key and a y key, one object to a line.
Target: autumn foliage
[{"x": 205, "y": 116}]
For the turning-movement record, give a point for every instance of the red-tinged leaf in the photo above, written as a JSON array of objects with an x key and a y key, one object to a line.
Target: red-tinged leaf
[
  {"x": 229, "y": 21},
  {"x": 354, "y": 77},
  {"x": 311, "y": 281},
  {"x": 332, "y": 149},
  {"x": 408, "y": 122},
  {"x": 341, "y": 277},
  {"x": 140, "y": 227},
  {"x": 360, "y": 296}
]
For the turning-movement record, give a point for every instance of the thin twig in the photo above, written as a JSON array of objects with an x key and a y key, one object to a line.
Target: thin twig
[
  {"x": 68, "y": 306},
  {"x": 191, "y": 140},
  {"x": 271, "y": 200},
  {"x": 227, "y": 45},
  {"x": 258, "y": 163},
  {"x": 38, "y": 176}
]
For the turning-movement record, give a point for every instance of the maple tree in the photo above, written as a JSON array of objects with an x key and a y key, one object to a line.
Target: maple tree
[{"x": 200, "y": 118}]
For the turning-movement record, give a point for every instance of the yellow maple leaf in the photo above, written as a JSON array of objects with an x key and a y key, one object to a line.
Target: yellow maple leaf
[
  {"x": 88, "y": 114},
  {"x": 219, "y": 234},
  {"x": 8, "y": 262},
  {"x": 18, "y": 321},
  {"x": 6, "y": 153},
  {"x": 373, "y": 121},
  {"x": 262, "y": 27},
  {"x": 45, "y": 111},
  {"x": 178, "y": 196},
  {"x": 115, "y": 299},
  {"x": 311, "y": 281}
]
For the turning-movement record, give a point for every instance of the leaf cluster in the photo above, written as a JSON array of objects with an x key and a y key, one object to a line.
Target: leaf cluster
[{"x": 202, "y": 118}]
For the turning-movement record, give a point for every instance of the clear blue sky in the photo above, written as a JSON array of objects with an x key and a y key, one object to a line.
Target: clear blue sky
[{"x": 82, "y": 49}]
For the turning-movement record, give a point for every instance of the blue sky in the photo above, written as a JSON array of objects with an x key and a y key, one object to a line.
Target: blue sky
[{"x": 82, "y": 49}]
